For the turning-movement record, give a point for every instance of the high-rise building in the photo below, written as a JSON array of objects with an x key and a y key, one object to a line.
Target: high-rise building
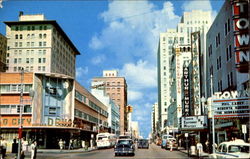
[
  {"x": 190, "y": 22},
  {"x": 181, "y": 55},
  {"x": 116, "y": 88},
  {"x": 39, "y": 45},
  {"x": 154, "y": 120},
  {"x": 3, "y": 50}
]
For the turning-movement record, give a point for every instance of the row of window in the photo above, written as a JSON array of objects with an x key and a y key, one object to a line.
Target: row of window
[
  {"x": 29, "y": 27},
  {"x": 197, "y": 22},
  {"x": 29, "y": 68},
  {"x": 90, "y": 118},
  {"x": 229, "y": 81},
  {"x": 29, "y": 60},
  {"x": 20, "y": 36},
  {"x": 13, "y": 88},
  {"x": 82, "y": 98},
  {"x": 30, "y": 44},
  {"x": 13, "y": 109}
]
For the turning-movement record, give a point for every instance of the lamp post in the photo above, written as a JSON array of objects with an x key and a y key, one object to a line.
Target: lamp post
[
  {"x": 20, "y": 116},
  {"x": 212, "y": 111}
]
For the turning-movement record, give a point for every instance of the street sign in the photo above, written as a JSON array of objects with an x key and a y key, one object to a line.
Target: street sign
[{"x": 244, "y": 129}]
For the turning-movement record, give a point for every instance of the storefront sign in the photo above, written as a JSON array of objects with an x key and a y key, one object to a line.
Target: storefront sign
[
  {"x": 241, "y": 34},
  {"x": 14, "y": 121},
  {"x": 228, "y": 108},
  {"x": 194, "y": 122},
  {"x": 186, "y": 91}
]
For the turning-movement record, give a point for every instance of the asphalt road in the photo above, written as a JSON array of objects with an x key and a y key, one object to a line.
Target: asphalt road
[{"x": 154, "y": 152}]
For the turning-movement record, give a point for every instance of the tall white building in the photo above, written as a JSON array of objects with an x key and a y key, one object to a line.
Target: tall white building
[
  {"x": 39, "y": 45},
  {"x": 190, "y": 22}
]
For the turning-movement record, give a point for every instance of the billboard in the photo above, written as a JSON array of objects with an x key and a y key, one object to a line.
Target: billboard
[
  {"x": 194, "y": 122},
  {"x": 186, "y": 103},
  {"x": 240, "y": 16}
]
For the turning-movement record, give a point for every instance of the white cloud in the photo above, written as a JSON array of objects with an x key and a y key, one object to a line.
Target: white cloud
[
  {"x": 98, "y": 59},
  {"x": 190, "y": 5},
  {"x": 141, "y": 75},
  {"x": 134, "y": 95},
  {"x": 81, "y": 71},
  {"x": 132, "y": 29}
]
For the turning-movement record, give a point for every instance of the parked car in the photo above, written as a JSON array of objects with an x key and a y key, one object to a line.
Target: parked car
[
  {"x": 124, "y": 147},
  {"x": 143, "y": 143},
  {"x": 174, "y": 143},
  {"x": 164, "y": 140},
  {"x": 232, "y": 149}
]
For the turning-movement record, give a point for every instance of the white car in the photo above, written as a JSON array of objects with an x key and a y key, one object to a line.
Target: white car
[{"x": 232, "y": 149}]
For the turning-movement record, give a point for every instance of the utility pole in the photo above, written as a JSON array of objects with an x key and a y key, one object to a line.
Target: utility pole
[
  {"x": 20, "y": 116},
  {"x": 212, "y": 109}
]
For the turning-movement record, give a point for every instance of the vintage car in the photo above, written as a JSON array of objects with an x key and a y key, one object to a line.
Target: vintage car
[
  {"x": 164, "y": 140},
  {"x": 124, "y": 147},
  {"x": 232, "y": 149},
  {"x": 143, "y": 143},
  {"x": 174, "y": 143}
]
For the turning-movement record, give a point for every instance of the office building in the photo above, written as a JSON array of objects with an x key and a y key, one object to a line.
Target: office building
[
  {"x": 39, "y": 45},
  {"x": 116, "y": 88},
  {"x": 190, "y": 22}
]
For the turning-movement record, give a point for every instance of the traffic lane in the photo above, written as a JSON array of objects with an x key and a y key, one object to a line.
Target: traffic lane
[{"x": 153, "y": 152}]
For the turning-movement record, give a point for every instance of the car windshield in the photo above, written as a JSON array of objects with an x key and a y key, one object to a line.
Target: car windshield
[
  {"x": 124, "y": 137},
  {"x": 143, "y": 140},
  {"x": 102, "y": 137},
  {"x": 238, "y": 148},
  {"x": 167, "y": 136},
  {"x": 124, "y": 142}
]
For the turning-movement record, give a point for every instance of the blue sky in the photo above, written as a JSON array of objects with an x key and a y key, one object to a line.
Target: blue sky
[{"x": 120, "y": 35}]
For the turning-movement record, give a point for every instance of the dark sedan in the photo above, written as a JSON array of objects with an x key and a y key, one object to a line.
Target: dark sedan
[
  {"x": 124, "y": 147},
  {"x": 143, "y": 143}
]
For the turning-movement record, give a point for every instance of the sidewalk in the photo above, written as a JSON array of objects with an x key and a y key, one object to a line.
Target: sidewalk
[
  {"x": 27, "y": 155},
  {"x": 203, "y": 154}
]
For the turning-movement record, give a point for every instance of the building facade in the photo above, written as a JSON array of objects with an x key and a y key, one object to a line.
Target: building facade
[
  {"x": 228, "y": 69},
  {"x": 181, "y": 55},
  {"x": 52, "y": 109},
  {"x": 113, "y": 109},
  {"x": 3, "y": 52},
  {"x": 116, "y": 88},
  {"x": 39, "y": 45},
  {"x": 190, "y": 22}
]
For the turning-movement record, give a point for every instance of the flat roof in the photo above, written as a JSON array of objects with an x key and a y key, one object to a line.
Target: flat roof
[{"x": 52, "y": 22}]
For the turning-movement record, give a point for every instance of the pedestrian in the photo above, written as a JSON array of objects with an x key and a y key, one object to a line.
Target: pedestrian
[
  {"x": 61, "y": 143},
  {"x": 207, "y": 146},
  {"x": 171, "y": 145},
  {"x": 70, "y": 144},
  {"x": 33, "y": 147},
  {"x": 25, "y": 145},
  {"x": 199, "y": 148},
  {"x": 14, "y": 147},
  {"x": 4, "y": 147}
]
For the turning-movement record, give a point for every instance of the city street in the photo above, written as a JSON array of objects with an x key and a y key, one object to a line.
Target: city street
[{"x": 153, "y": 152}]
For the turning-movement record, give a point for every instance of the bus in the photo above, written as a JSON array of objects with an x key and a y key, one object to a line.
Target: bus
[
  {"x": 164, "y": 139},
  {"x": 105, "y": 140}
]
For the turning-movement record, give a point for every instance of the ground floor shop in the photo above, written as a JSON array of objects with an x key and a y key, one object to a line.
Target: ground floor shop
[{"x": 48, "y": 138}]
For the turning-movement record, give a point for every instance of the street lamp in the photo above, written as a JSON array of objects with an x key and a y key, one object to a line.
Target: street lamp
[
  {"x": 212, "y": 111},
  {"x": 20, "y": 116}
]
